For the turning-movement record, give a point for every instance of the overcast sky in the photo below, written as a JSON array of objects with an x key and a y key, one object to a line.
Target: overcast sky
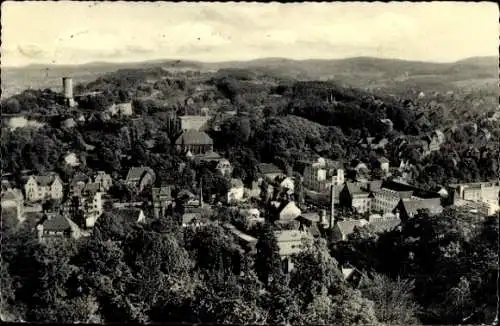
[{"x": 79, "y": 32}]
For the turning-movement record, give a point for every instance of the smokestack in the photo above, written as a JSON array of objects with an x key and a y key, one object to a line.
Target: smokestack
[
  {"x": 322, "y": 217},
  {"x": 201, "y": 192},
  {"x": 332, "y": 205}
]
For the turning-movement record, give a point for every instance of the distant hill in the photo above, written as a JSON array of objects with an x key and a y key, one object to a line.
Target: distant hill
[{"x": 364, "y": 72}]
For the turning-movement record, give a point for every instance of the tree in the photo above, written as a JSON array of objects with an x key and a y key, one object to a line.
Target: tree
[
  {"x": 350, "y": 308},
  {"x": 214, "y": 250},
  {"x": 393, "y": 299},
  {"x": 229, "y": 300},
  {"x": 314, "y": 260},
  {"x": 267, "y": 258}
]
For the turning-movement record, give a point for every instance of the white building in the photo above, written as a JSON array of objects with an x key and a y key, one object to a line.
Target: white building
[
  {"x": 44, "y": 187},
  {"x": 318, "y": 175}
]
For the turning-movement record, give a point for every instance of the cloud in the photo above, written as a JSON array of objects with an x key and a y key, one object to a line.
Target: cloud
[
  {"x": 31, "y": 51},
  {"x": 76, "y": 33}
]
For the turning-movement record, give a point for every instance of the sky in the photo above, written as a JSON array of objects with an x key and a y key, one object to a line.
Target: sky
[{"x": 80, "y": 32}]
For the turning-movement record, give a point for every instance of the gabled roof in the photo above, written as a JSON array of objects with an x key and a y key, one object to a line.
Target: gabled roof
[
  {"x": 287, "y": 205},
  {"x": 385, "y": 224},
  {"x": 194, "y": 137},
  {"x": 413, "y": 205},
  {"x": 383, "y": 160},
  {"x": 241, "y": 235},
  {"x": 310, "y": 217},
  {"x": 45, "y": 180},
  {"x": 56, "y": 223},
  {"x": 346, "y": 227},
  {"x": 210, "y": 156},
  {"x": 268, "y": 168},
  {"x": 12, "y": 194},
  {"x": 101, "y": 174},
  {"x": 79, "y": 177},
  {"x": 136, "y": 173},
  {"x": 355, "y": 188},
  {"x": 91, "y": 188},
  {"x": 127, "y": 214}
]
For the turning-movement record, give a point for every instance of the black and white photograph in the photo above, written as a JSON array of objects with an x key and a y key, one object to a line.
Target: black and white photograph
[{"x": 250, "y": 163}]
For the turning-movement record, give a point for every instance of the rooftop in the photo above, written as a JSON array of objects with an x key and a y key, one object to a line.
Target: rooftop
[
  {"x": 126, "y": 214},
  {"x": 194, "y": 137},
  {"x": 346, "y": 227},
  {"x": 136, "y": 173},
  {"x": 45, "y": 180},
  {"x": 413, "y": 205},
  {"x": 56, "y": 223},
  {"x": 268, "y": 168}
]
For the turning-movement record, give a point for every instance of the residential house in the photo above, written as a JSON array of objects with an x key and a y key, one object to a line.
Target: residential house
[
  {"x": 195, "y": 142},
  {"x": 343, "y": 228},
  {"x": 43, "y": 187},
  {"x": 139, "y": 178},
  {"x": 434, "y": 141},
  {"x": 236, "y": 191},
  {"x": 195, "y": 216},
  {"x": 409, "y": 207},
  {"x": 92, "y": 204},
  {"x": 225, "y": 167},
  {"x": 269, "y": 171},
  {"x": 12, "y": 199},
  {"x": 313, "y": 222},
  {"x": 87, "y": 207},
  {"x": 104, "y": 180},
  {"x": 356, "y": 196},
  {"x": 56, "y": 226},
  {"x": 290, "y": 242},
  {"x": 318, "y": 175},
  {"x": 78, "y": 183},
  {"x": 384, "y": 165},
  {"x": 252, "y": 215},
  {"x": 123, "y": 109},
  {"x": 162, "y": 198}
]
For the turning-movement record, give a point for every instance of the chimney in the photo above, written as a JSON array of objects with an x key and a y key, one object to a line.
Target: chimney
[
  {"x": 322, "y": 217},
  {"x": 332, "y": 205},
  {"x": 39, "y": 229},
  {"x": 201, "y": 192}
]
